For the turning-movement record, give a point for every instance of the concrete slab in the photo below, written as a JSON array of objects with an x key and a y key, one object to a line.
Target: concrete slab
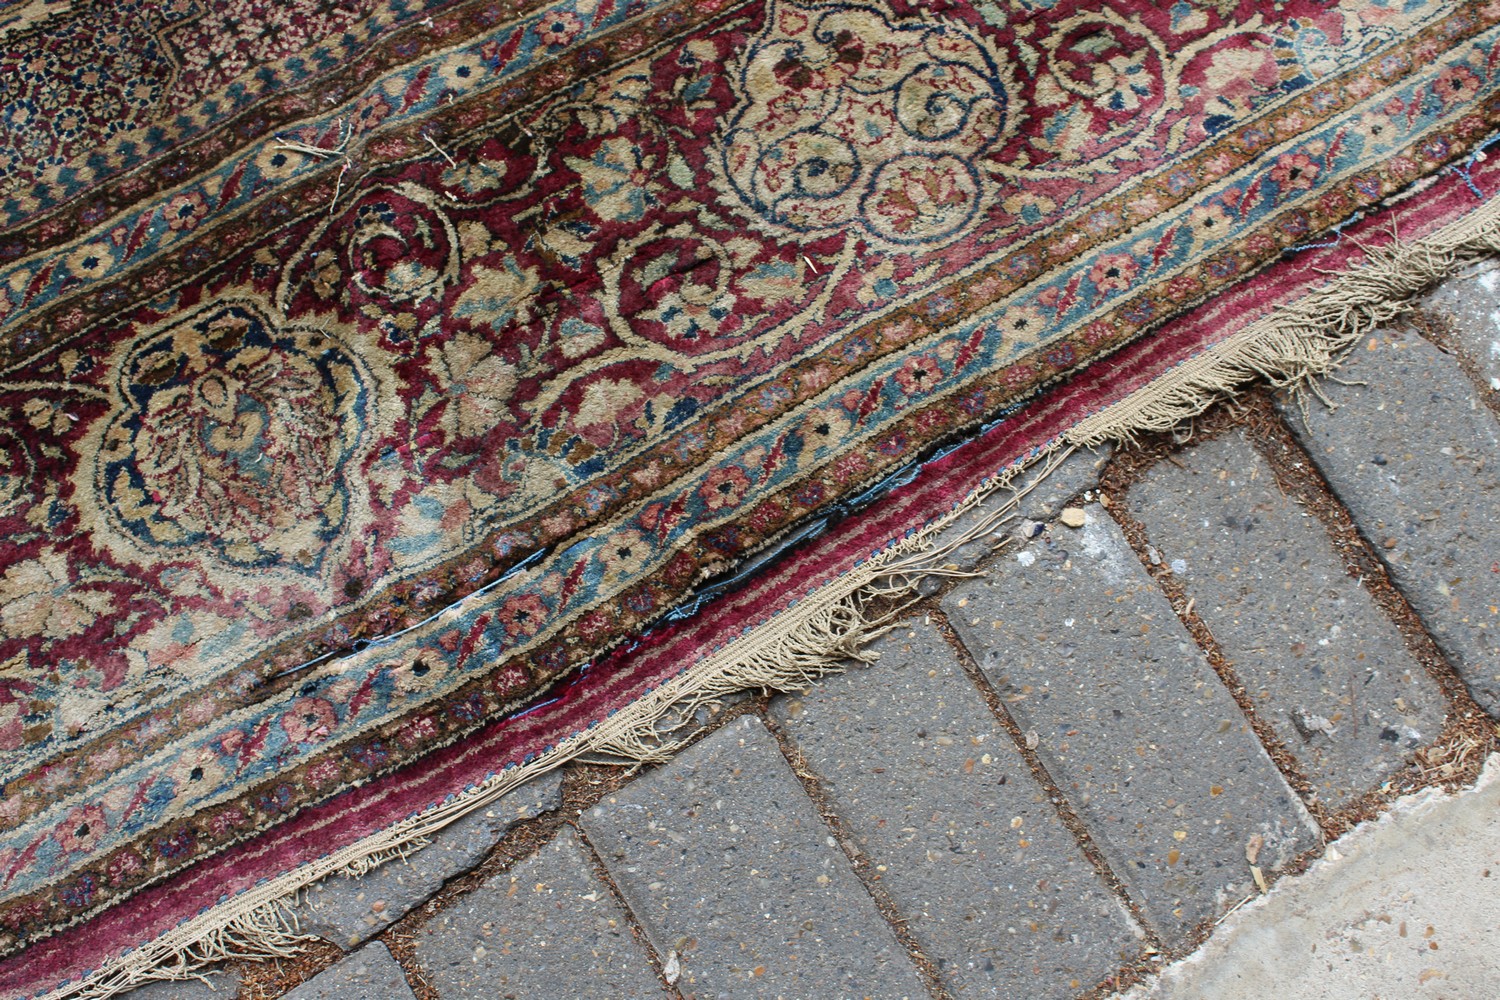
[
  {"x": 368, "y": 974},
  {"x": 728, "y": 866},
  {"x": 1416, "y": 459},
  {"x": 967, "y": 844},
  {"x": 1405, "y": 906},
  {"x": 1131, "y": 722},
  {"x": 546, "y": 928},
  {"x": 1325, "y": 666},
  {"x": 349, "y": 911},
  {"x": 1471, "y": 302}
]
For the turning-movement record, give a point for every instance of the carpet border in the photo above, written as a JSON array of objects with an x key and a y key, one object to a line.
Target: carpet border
[{"x": 1293, "y": 347}]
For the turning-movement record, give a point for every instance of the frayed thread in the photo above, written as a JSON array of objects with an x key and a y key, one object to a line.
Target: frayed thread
[{"x": 1301, "y": 343}]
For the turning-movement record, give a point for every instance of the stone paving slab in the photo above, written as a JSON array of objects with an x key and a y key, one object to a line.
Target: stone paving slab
[
  {"x": 368, "y": 974},
  {"x": 1472, "y": 303},
  {"x": 1131, "y": 721},
  {"x": 1326, "y": 668},
  {"x": 725, "y": 861},
  {"x": 933, "y": 790},
  {"x": 1415, "y": 458},
  {"x": 349, "y": 911},
  {"x": 1403, "y": 907},
  {"x": 546, "y": 928}
]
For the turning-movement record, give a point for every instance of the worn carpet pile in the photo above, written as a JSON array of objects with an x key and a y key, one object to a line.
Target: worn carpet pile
[{"x": 393, "y": 392}]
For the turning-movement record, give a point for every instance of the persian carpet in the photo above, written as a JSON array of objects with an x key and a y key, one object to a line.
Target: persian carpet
[{"x": 384, "y": 385}]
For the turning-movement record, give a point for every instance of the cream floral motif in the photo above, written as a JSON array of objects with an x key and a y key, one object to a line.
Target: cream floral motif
[
  {"x": 478, "y": 384},
  {"x": 903, "y": 110},
  {"x": 38, "y": 598}
]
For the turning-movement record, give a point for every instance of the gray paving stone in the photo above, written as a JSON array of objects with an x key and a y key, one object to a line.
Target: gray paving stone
[
  {"x": 349, "y": 911},
  {"x": 215, "y": 986},
  {"x": 368, "y": 974},
  {"x": 725, "y": 861},
  {"x": 1075, "y": 474},
  {"x": 1130, "y": 721},
  {"x": 546, "y": 928},
  {"x": 1326, "y": 668},
  {"x": 1416, "y": 459},
  {"x": 993, "y": 886},
  {"x": 1472, "y": 302}
]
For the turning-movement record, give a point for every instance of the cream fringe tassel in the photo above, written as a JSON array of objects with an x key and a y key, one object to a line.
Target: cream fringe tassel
[{"x": 1293, "y": 346}]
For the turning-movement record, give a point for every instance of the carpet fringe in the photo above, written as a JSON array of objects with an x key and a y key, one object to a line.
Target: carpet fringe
[
  {"x": 1304, "y": 341},
  {"x": 1293, "y": 347}
]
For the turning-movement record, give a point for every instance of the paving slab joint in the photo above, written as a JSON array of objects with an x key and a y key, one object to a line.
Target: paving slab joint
[
  {"x": 1438, "y": 330},
  {"x": 637, "y": 930},
  {"x": 1267, "y": 428},
  {"x": 1469, "y": 726},
  {"x": 1300, "y": 478},
  {"x": 1182, "y": 605},
  {"x": 1069, "y": 816},
  {"x": 858, "y": 863}
]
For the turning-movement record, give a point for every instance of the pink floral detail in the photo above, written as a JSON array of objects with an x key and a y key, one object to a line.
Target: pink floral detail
[
  {"x": 919, "y": 375},
  {"x": 369, "y": 112},
  {"x": 123, "y": 866},
  {"x": 418, "y": 730},
  {"x": 850, "y": 467},
  {"x": 81, "y": 830},
  {"x": 1456, "y": 85},
  {"x": 595, "y": 624},
  {"x": 765, "y": 515},
  {"x": 1017, "y": 375},
  {"x": 726, "y": 486},
  {"x": 1184, "y": 287},
  {"x": 323, "y": 772},
  {"x": 227, "y": 821},
  {"x": 559, "y": 29},
  {"x": 310, "y": 720},
  {"x": 522, "y": 616},
  {"x": 1114, "y": 272},
  {"x": 186, "y": 210},
  {"x": 1295, "y": 172},
  {"x": 1097, "y": 332}
]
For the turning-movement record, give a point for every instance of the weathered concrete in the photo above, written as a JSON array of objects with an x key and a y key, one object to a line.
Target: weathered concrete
[
  {"x": 1416, "y": 459},
  {"x": 964, "y": 840},
  {"x": 1326, "y": 668},
  {"x": 729, "y": 868},
  {"x": 1471, "y": 302},
  {"x": 1043, "y": 500},
  {"x": 1406, "y": 906},
  {"x": 348, "y": 911},
  {"x": 1131, "y": 722},
  {"x": 546, "y": 928},
  {"x": 368, "y": 974}
]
